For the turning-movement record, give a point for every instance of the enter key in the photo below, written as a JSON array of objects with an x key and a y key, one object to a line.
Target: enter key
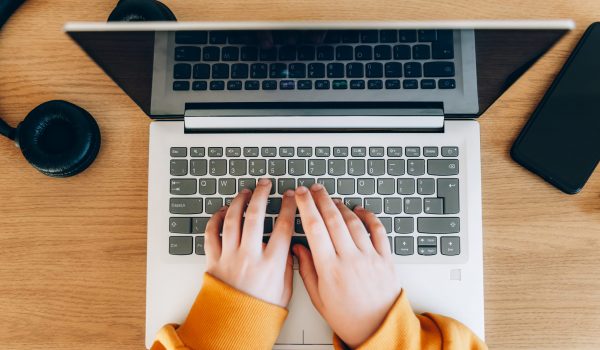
[{"x": 448, "y": 190}]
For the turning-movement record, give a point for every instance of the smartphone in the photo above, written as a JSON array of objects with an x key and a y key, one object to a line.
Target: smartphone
[{"x": 561, "y": 140}]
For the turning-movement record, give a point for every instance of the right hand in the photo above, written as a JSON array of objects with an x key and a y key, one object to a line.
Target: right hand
[{"x": 349, "y": 277}]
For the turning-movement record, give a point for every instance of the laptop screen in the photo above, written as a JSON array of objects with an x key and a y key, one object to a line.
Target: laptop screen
[{"x": 167, "y": 68}]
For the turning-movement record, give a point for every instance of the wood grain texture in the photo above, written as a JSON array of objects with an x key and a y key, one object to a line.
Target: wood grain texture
[{"x": 72, "y": 261}]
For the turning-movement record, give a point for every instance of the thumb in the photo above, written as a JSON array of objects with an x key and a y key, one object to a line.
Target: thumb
[{"x": 308, "y": 274}]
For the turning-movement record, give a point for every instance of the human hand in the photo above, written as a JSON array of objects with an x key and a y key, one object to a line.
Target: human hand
[
  {"x": 349, "y": 277},
  {"x": 240, "y": 258}
]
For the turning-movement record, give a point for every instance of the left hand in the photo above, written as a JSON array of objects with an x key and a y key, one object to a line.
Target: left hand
[{"x": 240, "y": 258}]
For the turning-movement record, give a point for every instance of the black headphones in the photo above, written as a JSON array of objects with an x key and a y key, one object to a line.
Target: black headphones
[{"x": 57, "y": 137}]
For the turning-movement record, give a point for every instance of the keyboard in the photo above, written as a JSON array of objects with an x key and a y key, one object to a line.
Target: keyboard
[
  {"x": 343, "y": 60},
  {"x": 413, "y": 190}
]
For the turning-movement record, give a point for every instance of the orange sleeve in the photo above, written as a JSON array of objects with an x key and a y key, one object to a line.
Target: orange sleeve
[
  {"x": 402, "y": 329},
  {"x": 224, "y": 318}
]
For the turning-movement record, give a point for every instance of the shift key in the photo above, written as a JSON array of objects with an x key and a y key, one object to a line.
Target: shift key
[
  {"x": 438, "y": 225},
  {"x": 448, "y": 190}
]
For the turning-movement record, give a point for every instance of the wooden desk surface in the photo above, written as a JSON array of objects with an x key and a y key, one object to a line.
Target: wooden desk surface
[{"x": 73, "y": 251}]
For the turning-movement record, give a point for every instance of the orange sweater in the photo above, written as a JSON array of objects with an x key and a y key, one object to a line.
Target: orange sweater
[{"x": 225, "y": 318}]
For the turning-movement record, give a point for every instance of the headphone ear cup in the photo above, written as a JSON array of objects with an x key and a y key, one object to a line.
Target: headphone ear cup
[
  {"x": 59, "y": 138},
  {"x": 141, "y": 10}
]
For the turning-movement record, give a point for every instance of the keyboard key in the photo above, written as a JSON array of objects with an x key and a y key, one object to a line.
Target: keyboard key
[
  {"x": 405, "y": 186},
  {"x": 268, "y": 225},
  {"x": 305, "y": 152},
  {"x": 325, "y": 53},
  {"x": 269, "y": 85},
  {"x": 239, "y": 71},
  {"x": 412, "y": 70},
  {"x": 237, "y": 167},
  {"x": 306, "y": 182},
  {"x": 296, "y": 167},
  {"x": 376, "y": 151},
  {"x": 345, "y": 186},
  {"x": 387, "y": 224},
  {"x": 369, "y": 36},
  {"x": 357, "y": 84},
  {"x": 284, "y": 184},
  {"x": 438, "y": 225},
  {"x": 394, "y": 151},
  {"x": 207, "y": 186},
  {"x": 392, "y": 205},
  {"x": 185, "y": 205},
  {"x": 450, "y": 151},
  {"x": 430, "y": 241},
  {"x": 178, "y": 152},
  {"x": 339, "y": 84},
  {"x": 304, "y": 84},
  {"x": 278, "y": 70},
  {"x": 273, "y": 205},
  {"x": 430, "y": 151},
  {"x": 421, "y": 52},
  {"x": 268, "y": 151},
  {"x": 425, "y": 186},
  {"x": 187, "y": 53},
  {"x": 179, "y": 167},
  {"x": 215, "y": 151},
  {"x": 413, "y": 151},
  {"x": 181, "y": 245},
  {"x": 344, "y": 53},
  {"x": 393, "y": 70},
  {"x": 340, "y": 151},
  {"x": 337, "y": 167},
  {"x": 442, "y": 167},
  {"x": 446, "y": 84},
  {"x": 198, "y": 167},
  {"x": 217, "y": 167},
  {"x": 286, "y": 151},
  {"x": 197, "y": 152},
  {"x": 227, "y": 186},
  {"x": 180, "y": 225},
  {"x": 442, "y": 50},
  {"x": 410, "y": 84},
  {"x": 395, "y": 167},
  {"x": 374, "y": 70},
  {"x": 382, "y": 52},
  {"x": 297, "y": 70},
  {"x": 350, "y": 36},
  {"x": 402, "y": 52},
  {"x": 322, "y": 151},
  {"x": 385, "y": 186},
  {"x": 249, "y": 53},
  {"x": 217, "y": 85},
  {"x": 306, "y": 53},
  {"x": 427, "y": 35},
  {"x": 415, "y": 167},
  {"x": 181, "y": 85},
  {"x": 322, "y": 84},
  {"x": 218, "y": 37},
  {"x": 376, "y": 167},
  {"x": 407, "y": 36},
  {"x": 352, "y": 202},
  {"x": 373, "y": 205},
  {"x": 448, "y": 190},
  {"x": 438, "y": 69},
  {"x": 404, "y": 246},
  {"x": 191, "y": 37},
  {"x": 335, "y": 70},
  {"x": 316, "y": 70},
  {"x": 268, "y": 54},
  {"x": 246, "y": 183},
  {"x": 359, "y": 151},
  {"x": 413, "y": 205},
  {"x": 287, "y": 85},
  {"x": 329, "y": 185},
  {"x": 200, "y": 246},
  {"x": 234, "y": 85},
  {"x": 450, "y": 245},
  {"x": 427, "y": 250},
  {"x": 182, "y": 71},
  {"x": 276, "y": 167},
  {"x": 365, "y": 186},
  {"x": 251, "y": 151},
  {"x": 183, "y": 186},
  {"x": 213, "y": 204},
  {"x": 199, "y": 225},
  {"x": 199, "y": 86},
  {"x": 375, "y": 84},
  {"x": 287, "y": 53},
  {"x": 388, "y": 36},
  {"x": 404, "y": 224},
  {"x": 355, "y": 70},
  {"x": 316, "y": 167},
  {"x": 356, "y": 167},
  {"x": 230, "y": 53},
  {"x": 211, "y": 54},
  {"x": 427, "y": 84},
  {"x": 251, "y": 85},
  {"x": 258, "y": 71},
  {"x": 433, "y": 206},
  {"x": 363, "y": 53},
  {"x": 392, "y": 84}
]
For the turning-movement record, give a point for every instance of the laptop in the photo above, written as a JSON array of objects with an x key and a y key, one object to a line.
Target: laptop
[{"x": 383, "y": 114}]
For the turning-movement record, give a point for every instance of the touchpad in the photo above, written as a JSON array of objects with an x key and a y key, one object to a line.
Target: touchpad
[{"x": 303, "y": 325}]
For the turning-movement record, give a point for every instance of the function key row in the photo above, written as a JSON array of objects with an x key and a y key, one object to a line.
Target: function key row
[{"x": 392, "y": 151}]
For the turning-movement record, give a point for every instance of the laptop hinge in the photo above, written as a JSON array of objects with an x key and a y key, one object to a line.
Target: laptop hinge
[{"x": 313, "y": 120}]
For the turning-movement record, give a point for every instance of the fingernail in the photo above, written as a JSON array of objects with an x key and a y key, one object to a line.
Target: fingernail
[
  {"x": 301, "y": 190},
  {"x": 264, "y": 182},
  {"x": 245, "y": 191},
  {"x": 316, "y": 187},
  {"x": 288, "y": 193}
]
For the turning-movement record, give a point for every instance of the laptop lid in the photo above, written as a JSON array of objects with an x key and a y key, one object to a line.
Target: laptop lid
[{"x": 132, "y": 54}]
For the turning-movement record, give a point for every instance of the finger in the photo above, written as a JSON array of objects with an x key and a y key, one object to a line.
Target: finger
[
  {"x": 232, "y": 227},
  {"x": 212, "y": 238},
  {"x": 279, "y": 244},
  {"x": 376, "y": 229},
  {"x": 288, "y": 280},
  {"x": 314, "y": 227},
  {"x": 357, "y": 229},
  {"x": 338, "y": 231},
  {"x": 309, "y": 275},
  {"x": 252, "y": 233}
]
